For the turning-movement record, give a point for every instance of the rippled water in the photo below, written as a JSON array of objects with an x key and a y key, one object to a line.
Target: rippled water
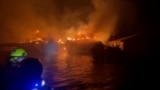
[{"x": 79, "y": 72}]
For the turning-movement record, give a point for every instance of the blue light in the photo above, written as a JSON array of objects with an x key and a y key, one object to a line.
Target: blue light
[
  {"x": 43, "y": 83},
  {"x": 36, "y": 85}
]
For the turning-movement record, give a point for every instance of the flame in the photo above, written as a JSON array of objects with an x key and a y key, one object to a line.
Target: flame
[
  {"x": 64, "y": 48},
  {"x": 60, "y": 41},
  {"x": 69, "y": 38},
  {"x": 76, "y": 37},
  {"x": 36, "y": 37},
  {"x": 37, "y": 31},
  {"x": 39, "y": 39}
]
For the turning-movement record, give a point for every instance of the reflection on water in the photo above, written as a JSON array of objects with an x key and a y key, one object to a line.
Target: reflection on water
[
  {"x": 69, "y": 70},
  {"x": 79, "y": 70}
]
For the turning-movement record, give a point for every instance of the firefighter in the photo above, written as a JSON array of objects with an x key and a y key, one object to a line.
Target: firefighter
[{"x": 21, "y": 70}]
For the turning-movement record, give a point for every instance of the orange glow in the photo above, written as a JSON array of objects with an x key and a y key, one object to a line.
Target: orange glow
[
  {"x": 88, "y": 37},
  {"x": 61, "y": 41},
  {"x": 39, "y": 39},
  {"x": 69, "y": 38},
  {"x": 37, "y": 31},
  {"x": 75, "y": 37},
  {"x": 64, "y": 48},
  {"x": 36, "y": 37}
]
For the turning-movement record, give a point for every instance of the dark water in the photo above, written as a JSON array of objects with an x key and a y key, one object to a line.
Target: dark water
[{"x": 79, "y": 72}]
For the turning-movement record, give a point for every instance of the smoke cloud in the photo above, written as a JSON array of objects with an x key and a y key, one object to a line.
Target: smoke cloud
[{"x": 60, "y": 18}]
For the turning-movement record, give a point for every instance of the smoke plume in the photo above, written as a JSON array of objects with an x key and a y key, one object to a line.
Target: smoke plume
[{"x": 60, "y": 18}]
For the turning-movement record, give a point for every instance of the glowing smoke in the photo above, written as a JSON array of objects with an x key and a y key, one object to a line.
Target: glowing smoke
[{"x": 58, "y": 18}]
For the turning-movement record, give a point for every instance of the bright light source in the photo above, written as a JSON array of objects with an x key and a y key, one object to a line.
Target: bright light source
[
  {"x": 69, "y": 38},
  {"x": 43, "y": 83},
  {"x": 36, "y": 85}
]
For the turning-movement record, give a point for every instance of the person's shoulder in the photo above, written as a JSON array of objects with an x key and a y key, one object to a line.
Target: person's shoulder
[{"x": 31, "y": 60}]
